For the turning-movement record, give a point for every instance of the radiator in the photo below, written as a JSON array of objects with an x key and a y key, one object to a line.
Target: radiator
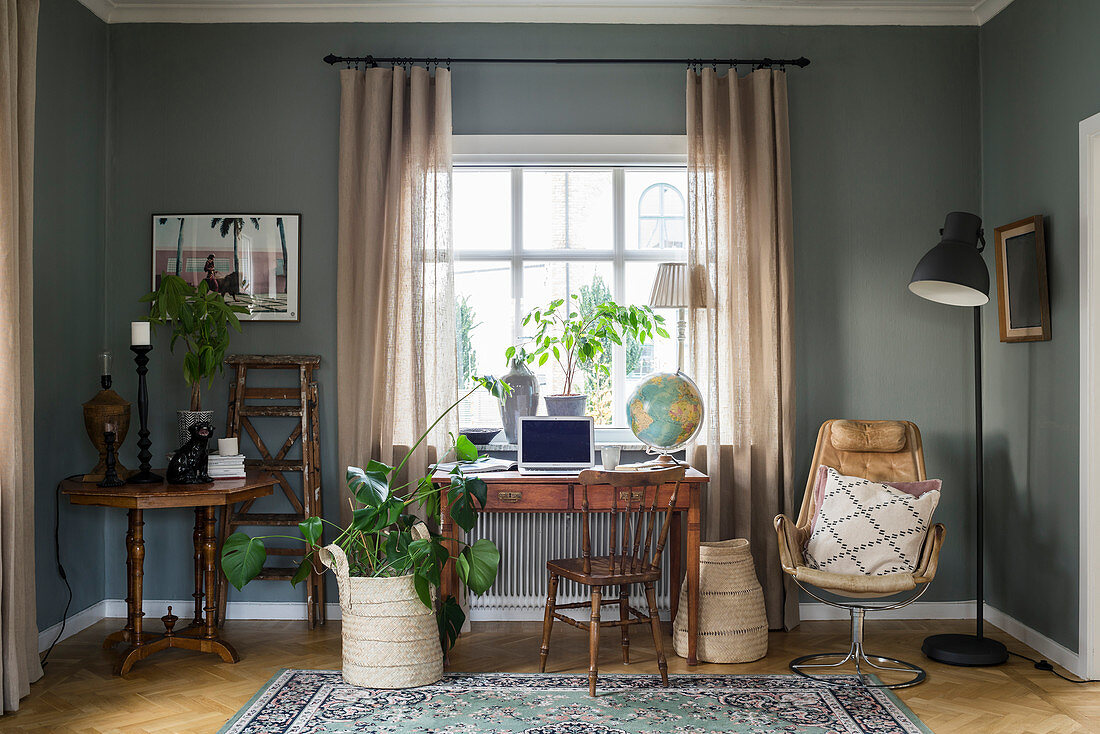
[{"x": 526, "y": 541}]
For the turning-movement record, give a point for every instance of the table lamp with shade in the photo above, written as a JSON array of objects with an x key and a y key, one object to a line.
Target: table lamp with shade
[
  {"x": 954, "y": 273},
  {"x": 672, "y": 289}
]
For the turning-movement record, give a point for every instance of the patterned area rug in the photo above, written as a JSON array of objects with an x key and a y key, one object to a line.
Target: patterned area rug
[{"x": 319, "y": 702}]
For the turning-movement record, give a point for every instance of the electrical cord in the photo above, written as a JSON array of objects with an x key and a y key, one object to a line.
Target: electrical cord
[
  {"x": 1044, "y": 665},
  {"x": 60, "y": 568}
]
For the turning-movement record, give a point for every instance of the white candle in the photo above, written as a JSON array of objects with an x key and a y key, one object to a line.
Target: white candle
[
  {"x": 227, "y": 447},
  {"x": 139, "y": 333}
]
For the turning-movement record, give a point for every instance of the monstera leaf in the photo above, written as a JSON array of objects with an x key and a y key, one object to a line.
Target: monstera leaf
[
  {"x": 242, "y": 558},
  {"x": 477, "y": 565}
]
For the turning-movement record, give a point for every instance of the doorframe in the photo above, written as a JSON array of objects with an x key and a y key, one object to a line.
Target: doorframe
[{"x": 1088, "y": 644}]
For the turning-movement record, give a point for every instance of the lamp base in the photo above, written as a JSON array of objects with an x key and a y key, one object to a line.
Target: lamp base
[{"x": 966, "y": 650}]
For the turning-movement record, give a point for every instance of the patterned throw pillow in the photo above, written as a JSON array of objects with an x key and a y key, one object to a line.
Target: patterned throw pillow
[{"x": 868, "y": 528}]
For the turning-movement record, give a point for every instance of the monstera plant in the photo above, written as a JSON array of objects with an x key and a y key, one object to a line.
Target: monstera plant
[{"x": 384, "y": 539}]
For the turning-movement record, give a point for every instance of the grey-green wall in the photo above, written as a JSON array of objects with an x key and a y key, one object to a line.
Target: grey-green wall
[
  {"x": 1040, "y": 78},
  {"x": 69, "y": 222},
  {"x": 885, "y": 139}
]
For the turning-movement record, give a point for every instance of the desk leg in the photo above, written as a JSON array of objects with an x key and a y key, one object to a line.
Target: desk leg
[
  {"x": 197, "y": 540},
  {"x": 675, "y": 567},
  {"x": 693, "y": 532},
  {"x": 449, "y": 582}
]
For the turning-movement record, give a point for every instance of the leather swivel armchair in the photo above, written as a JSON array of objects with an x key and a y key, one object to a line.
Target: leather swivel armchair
[{"x": 882, "y": 451}]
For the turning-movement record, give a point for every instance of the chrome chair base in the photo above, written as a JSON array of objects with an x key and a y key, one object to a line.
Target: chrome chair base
[{"x": 865, "y": 664}]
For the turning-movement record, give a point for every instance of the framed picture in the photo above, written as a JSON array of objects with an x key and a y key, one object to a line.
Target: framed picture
[
  {"x": 1022, "y": 297},
  {"x": 251, "y": 259}
]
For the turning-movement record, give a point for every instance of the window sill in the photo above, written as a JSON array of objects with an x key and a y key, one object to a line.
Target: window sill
[{"x": 502, "y": 446}]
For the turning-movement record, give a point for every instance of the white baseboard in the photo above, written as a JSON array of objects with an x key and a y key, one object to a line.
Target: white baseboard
[
  {"x": 78, "y": 622},
  {"x": 809, "y": 611},
  {"x": 265, "y": 610},
  {"x": 814, "y": 611},
  {"x": 1040, "y": 643}
]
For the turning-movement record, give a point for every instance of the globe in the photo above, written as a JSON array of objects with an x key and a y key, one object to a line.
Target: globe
[{"x": 665, "y": 410}]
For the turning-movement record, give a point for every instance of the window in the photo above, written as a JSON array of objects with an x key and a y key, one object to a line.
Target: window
[{"x": 527, "y": 234}]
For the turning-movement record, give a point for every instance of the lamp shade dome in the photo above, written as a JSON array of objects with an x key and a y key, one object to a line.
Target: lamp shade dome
[{"x": 954, "y": 272}]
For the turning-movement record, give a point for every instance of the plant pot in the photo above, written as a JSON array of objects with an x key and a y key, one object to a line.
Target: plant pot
[
  {"x": 187, "y": 418},
  {"x": 565, "y": 404},
  {"x": 524, "y": 399},
  {"x": 390, "y": 639},
  {"x": 733, "y": 626}
]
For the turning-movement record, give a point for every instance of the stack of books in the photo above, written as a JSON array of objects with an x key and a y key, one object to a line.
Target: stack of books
[{"x": 225, "y": 467}]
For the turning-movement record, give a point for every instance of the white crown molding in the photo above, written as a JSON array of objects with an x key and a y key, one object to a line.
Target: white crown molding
[
  {"x": 715, "y": 12},
  {"x": 984, "y": 10}
]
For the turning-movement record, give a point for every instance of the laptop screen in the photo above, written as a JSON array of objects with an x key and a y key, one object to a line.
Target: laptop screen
[{"x": 558, "y": 441}]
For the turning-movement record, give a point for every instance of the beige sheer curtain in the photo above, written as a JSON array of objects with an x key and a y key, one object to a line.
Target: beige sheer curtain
[
  {"x": 19, "y": 665},
  {"x": 395, "y": 291},
  {"x": 739, "y": 247}
]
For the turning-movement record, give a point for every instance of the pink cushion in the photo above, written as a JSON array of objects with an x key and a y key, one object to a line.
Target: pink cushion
[{"x": 914, "y": 488}]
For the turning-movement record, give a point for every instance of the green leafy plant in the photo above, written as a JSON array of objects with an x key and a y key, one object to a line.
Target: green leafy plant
[
  {"x": 201, "y": 318},
  {"x": 577, "y": 337},
  {"x": 384, "y": 540}
]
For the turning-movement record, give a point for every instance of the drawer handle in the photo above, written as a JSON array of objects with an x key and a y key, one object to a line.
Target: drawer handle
[
  {"x": 509, "y": 496},
  {"x": 631, "y": 496}
]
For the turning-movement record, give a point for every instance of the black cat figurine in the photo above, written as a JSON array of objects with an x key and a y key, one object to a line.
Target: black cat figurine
[{"x": 188, "y": 464}]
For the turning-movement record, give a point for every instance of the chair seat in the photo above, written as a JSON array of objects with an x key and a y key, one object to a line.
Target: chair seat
[{"x": 602, "y": 573}]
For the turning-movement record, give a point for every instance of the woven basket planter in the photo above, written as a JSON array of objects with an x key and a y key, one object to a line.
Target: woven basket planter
[
  {"x": 390, "y": 639},
  {"x": 733, "y": 626}
]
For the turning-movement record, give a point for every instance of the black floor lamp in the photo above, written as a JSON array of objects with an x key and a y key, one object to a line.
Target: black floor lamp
[{"x": 953, "y": 272}]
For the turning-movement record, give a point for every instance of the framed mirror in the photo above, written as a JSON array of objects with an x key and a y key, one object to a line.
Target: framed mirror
[{"x": 1022, "y": 297}]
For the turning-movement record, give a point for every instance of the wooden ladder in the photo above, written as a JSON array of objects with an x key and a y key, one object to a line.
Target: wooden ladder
[{"x": 239, "y": 423}]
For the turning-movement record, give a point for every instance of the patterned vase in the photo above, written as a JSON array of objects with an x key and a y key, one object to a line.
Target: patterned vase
[
  {"x": 187, "y": 418},
  {"x": 524, "y": 399}
]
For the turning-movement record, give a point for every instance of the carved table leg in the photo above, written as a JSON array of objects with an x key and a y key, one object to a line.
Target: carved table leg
[
  {"x": 135, "y": 568},
  {"x": 210, "y": 632},
  {"x": 197, "y": 539},
  {"x": 123, "y": 635}
]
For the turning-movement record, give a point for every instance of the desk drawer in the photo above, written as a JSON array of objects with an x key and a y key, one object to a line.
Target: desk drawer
[
  {"x": 600, "y": 498},
  {"x": 527, "y": 497}
]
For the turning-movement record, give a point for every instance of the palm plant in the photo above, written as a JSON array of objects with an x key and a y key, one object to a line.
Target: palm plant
[
  {"x": 225, "y": 225},
  {"x": 179, "y": 241},
  {"x": 282, "y": 241}
]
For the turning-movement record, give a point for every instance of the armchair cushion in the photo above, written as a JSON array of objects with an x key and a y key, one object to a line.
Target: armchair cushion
[
  {"x": 914, "y": 488},
  {"x": 868, "y": 528}
]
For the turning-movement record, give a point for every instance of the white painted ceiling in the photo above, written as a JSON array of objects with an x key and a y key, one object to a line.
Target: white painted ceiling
[{"x": 736, "y": 12}]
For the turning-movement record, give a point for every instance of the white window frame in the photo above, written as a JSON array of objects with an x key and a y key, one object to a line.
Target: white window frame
[{"x": 615, "y": 152}]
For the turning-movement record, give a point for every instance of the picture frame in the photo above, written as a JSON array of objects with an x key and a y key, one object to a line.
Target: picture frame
[
  {"x": 253, "y": 260},
  {"x": 1023, "y": 300}
]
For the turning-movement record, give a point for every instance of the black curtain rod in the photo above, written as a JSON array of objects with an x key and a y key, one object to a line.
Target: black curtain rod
[{"x": 372, "y": 61}]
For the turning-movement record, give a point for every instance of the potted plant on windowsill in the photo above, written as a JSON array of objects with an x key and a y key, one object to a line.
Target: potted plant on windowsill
[
  {"x": 389, "y": 565},
  {"x": 577, "y": 340},
  {"x": 201, "y": 318}
]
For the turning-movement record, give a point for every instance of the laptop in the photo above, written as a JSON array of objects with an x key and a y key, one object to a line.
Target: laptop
[{"x": 556, "y": 444}]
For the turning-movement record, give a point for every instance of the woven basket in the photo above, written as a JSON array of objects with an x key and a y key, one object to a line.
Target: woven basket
[
  {"x": 733, "y": 626},
  {"x": 390, "y": 639}
]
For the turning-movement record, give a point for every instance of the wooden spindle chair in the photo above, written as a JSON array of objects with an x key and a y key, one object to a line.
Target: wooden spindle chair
[{"x": 638, "y": 503}]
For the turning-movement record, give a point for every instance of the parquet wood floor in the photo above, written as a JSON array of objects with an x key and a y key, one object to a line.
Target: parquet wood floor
[{"x": 178, "y": 692}]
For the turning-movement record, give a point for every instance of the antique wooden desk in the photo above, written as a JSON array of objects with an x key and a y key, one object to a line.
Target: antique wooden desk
[
  {"x": 514, "y": 492},
  {"x": 201, "y": 634}
]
